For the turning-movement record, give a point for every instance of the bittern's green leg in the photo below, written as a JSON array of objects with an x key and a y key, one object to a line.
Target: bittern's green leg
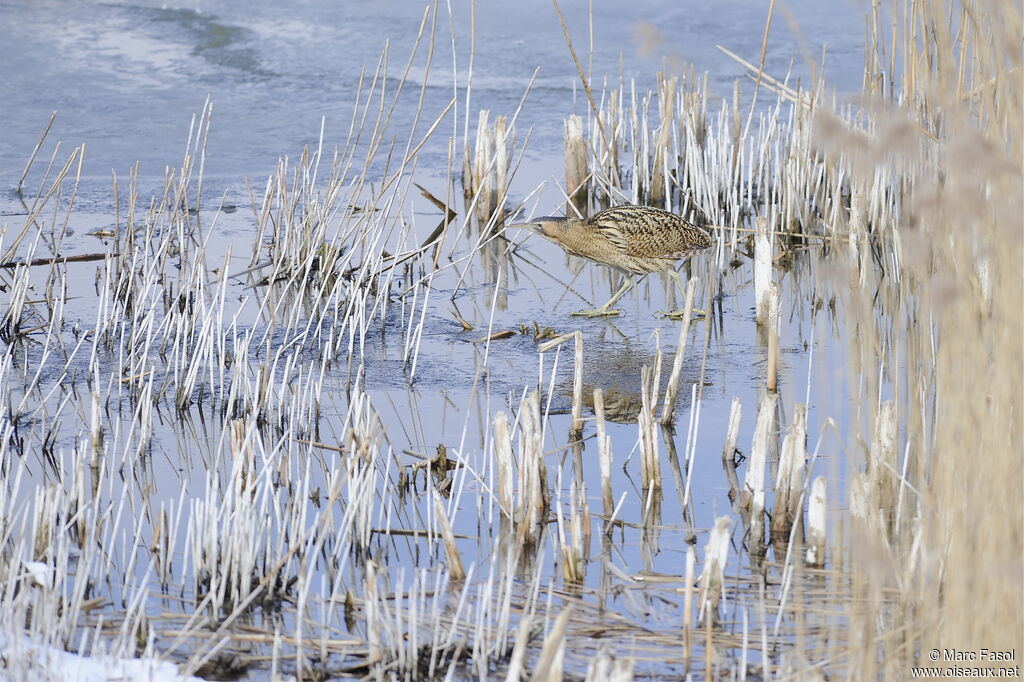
[
  {"x": 679, "y": 314},
  {"x": 606, "y": 309}
]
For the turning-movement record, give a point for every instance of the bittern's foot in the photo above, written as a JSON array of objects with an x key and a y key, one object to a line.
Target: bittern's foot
[
  {"x": 680, "y": 314},
  {"x": 597, "y": 312}
]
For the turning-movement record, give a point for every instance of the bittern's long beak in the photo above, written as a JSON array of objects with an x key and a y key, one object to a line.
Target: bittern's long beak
[{"x": 532, "y": 227}]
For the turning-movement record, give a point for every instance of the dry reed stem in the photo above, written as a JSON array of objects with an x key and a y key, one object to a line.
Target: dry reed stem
[
  {"x": 549, "y": 664},
  {"x": 672, "y": 389},
  {"x": 517, "y": 660},
  {"x": 451, "y": 549},
  {"x": 604, "y": 667},
  {"x": 35, "y": 151},
  {"x": 583, "y": 79}
]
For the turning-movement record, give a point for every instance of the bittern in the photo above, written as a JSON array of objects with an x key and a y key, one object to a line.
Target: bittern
[{"x": 636, "y": 240}]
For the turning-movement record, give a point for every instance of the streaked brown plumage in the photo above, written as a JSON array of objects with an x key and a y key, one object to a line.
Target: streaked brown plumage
[{"x": 636, "y": 240}]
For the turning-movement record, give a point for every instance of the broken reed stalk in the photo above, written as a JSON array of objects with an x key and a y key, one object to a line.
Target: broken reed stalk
[
  {"x": 658, "y": 193},
  {"x": 576, "y": 429},
  {"x": 858, "y": 259},
  {"x": 505, "y": 466},
  {"x": 604, "y": 667},
  {"x": 712, "y": 579},
  {"x": 762, "y": 270},
  {"x": 817, "y": 523},
  {"x": 577, "y": 173},
  {"x": 485, "y": 177},
  {"x": 549, "y": 663},
  {"x": 650, "y": 460},
  {"x": 672, "y": 390},
  {"x": 451, "y": 549},
  {"x": 883, "y": 466},
  {"x": 575, "y": 549},
  {"x": 732, "y": 435},
  {"x": 789, "y": 484},
  {"x": 532, "y": 500},
  {"x": 755, "y": 480},
  {"x": 371, "y": 610}
]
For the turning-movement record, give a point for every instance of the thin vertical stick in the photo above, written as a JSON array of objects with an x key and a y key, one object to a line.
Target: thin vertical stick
[
  {"x": 604, "y": 457},
  {"x": 577, "y": 386},
  {"x": 691, "y": 561}
]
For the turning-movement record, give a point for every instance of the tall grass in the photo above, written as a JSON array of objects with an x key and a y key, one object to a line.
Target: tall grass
[{"x": 947, "y": 329}]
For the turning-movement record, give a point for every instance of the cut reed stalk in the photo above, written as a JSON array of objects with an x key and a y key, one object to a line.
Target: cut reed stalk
[
  {"x": 505, "y": 467},
  {"x": 755, "y": 480},
  {"x": 789, "y": 484},
  {"x": 485, "y": 178},
  {"x": 729, "y": 452},
  {"x": 712, "y": 580},
  {"x": 532, "y": 503},
  {"x": 817, "y": 523},
  {"x": 577, "y": 173}
]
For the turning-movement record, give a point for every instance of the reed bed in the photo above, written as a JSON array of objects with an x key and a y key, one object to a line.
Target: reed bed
[{"x": 209, "y": 479}]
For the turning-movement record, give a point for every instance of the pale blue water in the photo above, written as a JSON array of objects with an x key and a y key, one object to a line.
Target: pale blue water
[{"x": 125, "y": 77}]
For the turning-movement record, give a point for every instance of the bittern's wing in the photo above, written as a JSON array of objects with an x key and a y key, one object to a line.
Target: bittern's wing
[
  {"x": 612, "y": 231},
  {"x": 645, "y": 232}
]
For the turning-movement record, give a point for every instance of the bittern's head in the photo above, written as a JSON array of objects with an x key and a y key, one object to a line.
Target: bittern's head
[{"x": 549, "y": 226}]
